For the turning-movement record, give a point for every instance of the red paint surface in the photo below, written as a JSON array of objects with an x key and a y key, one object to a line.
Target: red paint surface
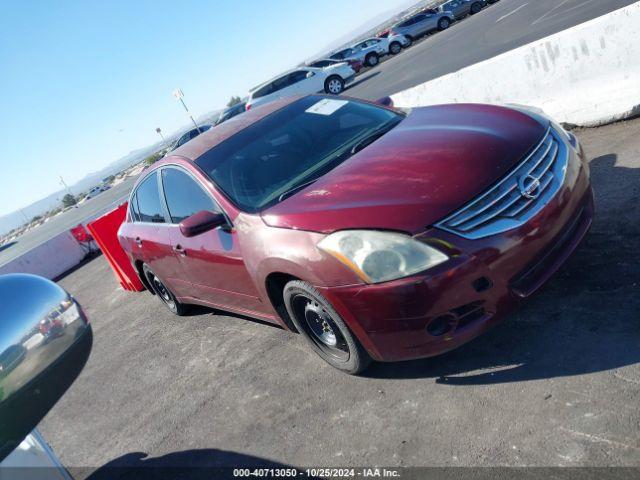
[
  {"x": 436, "y": 160},
  {"x": 105, "y": 232}
]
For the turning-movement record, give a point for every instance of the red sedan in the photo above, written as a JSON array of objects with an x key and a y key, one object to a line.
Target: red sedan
[{"x": 376, "y": 233}]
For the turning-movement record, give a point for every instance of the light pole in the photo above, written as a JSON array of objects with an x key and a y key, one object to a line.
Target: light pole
[
  {"x": 179, "y": 95},
  {"x": 63, "y": 183},
  {"x": 159, "y": 132}
]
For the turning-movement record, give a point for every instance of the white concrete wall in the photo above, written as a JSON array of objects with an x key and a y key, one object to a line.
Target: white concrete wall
[
  {"x": 48, "y": 259},
  {"x": 587, "y": 75}
]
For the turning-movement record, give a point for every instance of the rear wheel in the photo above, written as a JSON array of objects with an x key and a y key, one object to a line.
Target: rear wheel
[
  {"x": 165, "y": 295},
  {"x": 323, "y": 328},
  {"x": 475, "y": 8},
  {"x": 334, "y": 85},
  {"x": 395, "y": 48},
  {"x": 371, "y": 60},
  {"x": 444, "y": 23}
]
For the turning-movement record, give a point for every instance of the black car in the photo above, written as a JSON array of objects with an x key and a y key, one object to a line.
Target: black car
[
  {"x": 190, "y": 135},
  {"x": 232, "y": 111}
]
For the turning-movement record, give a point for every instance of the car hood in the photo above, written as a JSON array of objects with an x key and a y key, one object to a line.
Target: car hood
[{"x": 433, "y": 162}]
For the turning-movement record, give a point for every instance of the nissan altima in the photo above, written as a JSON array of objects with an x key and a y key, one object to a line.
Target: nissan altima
[{"x": 376, "y": 233}]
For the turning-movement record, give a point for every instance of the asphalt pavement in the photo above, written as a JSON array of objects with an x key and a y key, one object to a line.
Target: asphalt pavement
[
  {"x": 556, "y": 384},
  {"x": 499, "y": 28}
]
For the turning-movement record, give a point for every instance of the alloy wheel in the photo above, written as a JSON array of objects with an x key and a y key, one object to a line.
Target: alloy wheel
[{"x": 335, "y": 86}]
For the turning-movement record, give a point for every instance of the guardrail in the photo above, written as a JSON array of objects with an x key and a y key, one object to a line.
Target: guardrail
[{"x": 587, "y": 75}]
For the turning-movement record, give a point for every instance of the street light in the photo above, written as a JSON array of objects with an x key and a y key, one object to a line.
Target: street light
[
  {"x": 159, "y": 132},
  {"x": 179, "y": 95}
]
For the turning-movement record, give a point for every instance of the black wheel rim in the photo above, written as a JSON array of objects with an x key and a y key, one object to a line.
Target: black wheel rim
[
  {"x": 320, "y": 327},
  {"x": 162, "y": 292}
]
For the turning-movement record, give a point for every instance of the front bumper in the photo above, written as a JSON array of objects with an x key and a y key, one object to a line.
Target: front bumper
[{"x": 483, "y": 280}]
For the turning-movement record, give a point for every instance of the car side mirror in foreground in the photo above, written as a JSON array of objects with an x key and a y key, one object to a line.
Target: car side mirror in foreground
[
  {"x": 45, "y": 341},
  {"x": 201, "y": 222},
  {"x": 385, "y": 102}
]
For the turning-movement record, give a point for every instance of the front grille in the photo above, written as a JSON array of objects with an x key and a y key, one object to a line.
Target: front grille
[{"x": 517, "y": 197}]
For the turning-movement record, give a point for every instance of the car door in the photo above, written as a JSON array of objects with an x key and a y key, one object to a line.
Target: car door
[
  {"x": 213, "y": 269},
  {"x": 148, "y": 234},
  {"x": 421, "y": 25},
  {"x": 304, "y": 81}
]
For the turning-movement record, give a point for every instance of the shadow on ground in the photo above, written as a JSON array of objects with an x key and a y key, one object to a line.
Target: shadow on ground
[{"x": 189, "y": 464}]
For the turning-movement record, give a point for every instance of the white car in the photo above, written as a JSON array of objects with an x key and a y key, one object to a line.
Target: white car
[
  {"x": 370, "y": 51},
  {"x": 302, "y": 81}
]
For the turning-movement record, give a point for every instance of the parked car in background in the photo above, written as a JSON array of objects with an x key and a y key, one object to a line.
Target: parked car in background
[
  {"x": 370, "y": 51},
  {"x": 421, "y": 24},
  {"x": 95, "y": 191},
  {"x": 356, "y": 65},
  {"x": 373, "y": 232},
  {"x": 461, "y": 8},
  {"x": 303, "y": 81},
  {"x": 190, "y": 135},
  {"x": 231, "y": 112}
]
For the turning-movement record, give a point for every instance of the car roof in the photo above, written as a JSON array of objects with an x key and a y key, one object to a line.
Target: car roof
[
  {"x": 204, "y": 142},
  {"x": 286, "y": 72}
]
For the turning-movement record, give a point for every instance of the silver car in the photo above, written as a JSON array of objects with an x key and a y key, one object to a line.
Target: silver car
[
  {"x": 367, "y": 52},
  {"x": 461, "y": 8},
  {"x": 423, "y": 23}
]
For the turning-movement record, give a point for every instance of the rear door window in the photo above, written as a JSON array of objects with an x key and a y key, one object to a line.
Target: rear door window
[{"x": 149, "y": 205}]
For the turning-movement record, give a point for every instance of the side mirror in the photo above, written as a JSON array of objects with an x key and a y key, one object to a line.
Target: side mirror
[
  {"x": 45, "y": 341},
  {"x": 385, "y": 102},
  {"x": 310, "y": 74},
  {"x": 201, "y": 222}
]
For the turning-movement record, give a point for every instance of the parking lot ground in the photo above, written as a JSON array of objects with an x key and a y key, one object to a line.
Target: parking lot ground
[{"x": 557, "y": 384}]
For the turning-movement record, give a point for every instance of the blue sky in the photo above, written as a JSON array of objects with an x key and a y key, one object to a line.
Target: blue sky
[{"x": 85, "y": 82}]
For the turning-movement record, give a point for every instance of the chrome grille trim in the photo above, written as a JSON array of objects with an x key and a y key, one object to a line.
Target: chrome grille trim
[{"x": 504, "y": 207}]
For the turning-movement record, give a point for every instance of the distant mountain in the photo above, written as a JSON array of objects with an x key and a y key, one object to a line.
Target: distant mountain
[
  {"x": 372, "y": 26},
  {"x": 17, "y": 218}
]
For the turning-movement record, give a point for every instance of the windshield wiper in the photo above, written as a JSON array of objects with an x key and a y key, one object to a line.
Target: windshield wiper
[
  {"x": 293, "y": 190},
  {"x": 369, "y": 139}
]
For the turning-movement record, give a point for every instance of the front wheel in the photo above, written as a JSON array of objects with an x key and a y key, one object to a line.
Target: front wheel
[
  {"x": 334, "y": 85},
  {"x": 444, "y": 23},
  {"x": 165, "y": 295},
  {"x": 323, "y": 329},
  {"x": 395, "y": 48},
  {"x": 372, "y": 60}
]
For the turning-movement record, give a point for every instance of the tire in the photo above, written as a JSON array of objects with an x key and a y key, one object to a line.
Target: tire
[
  {"x": 323, "y": 329},
  {"x": 475, "y": 8},
  {"x": 165, "y": 295},
  {"x": 371, "y": 60},
  {"x": 444, "y": 23},
  {"x": 395, "y": 48},
  {"x": 334, "y": 85}
]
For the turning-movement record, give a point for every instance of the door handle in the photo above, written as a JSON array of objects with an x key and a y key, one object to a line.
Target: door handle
[
  {"x": 139, "y": 241},
  {"x": 180, "y": 250}
]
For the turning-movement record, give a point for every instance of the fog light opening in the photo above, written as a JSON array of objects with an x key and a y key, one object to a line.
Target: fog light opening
[
  {"x": 482, "y": 284},
  {"x": 441, "y": 325}
]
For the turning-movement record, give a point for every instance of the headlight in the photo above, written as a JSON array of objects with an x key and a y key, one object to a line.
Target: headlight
[{"x": 381, "y": 256}]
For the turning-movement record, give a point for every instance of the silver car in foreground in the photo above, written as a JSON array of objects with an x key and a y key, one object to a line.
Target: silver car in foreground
[{"x": 422, "y": 23}]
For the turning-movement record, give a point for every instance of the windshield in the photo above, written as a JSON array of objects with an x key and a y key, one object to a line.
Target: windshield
[{"x": 292, "y": 146}]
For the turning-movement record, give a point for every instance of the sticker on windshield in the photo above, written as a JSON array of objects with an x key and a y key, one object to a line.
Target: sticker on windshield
[{"x": 326, "y": 106}]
